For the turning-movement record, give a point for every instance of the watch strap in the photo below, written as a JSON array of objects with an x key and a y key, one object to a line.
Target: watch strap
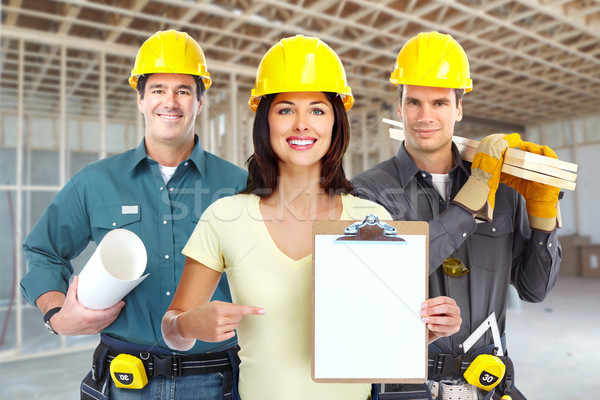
[{"x": 47, "y": 317}]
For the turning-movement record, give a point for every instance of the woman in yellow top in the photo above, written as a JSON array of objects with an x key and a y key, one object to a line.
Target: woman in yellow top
[{"x": 263, "y": 237}]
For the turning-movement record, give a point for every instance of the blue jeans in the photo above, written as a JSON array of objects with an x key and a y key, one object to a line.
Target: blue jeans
[{"x": 192, "y": 387}]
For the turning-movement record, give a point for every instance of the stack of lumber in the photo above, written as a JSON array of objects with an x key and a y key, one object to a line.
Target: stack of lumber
[{"x": 519, "y": 163}]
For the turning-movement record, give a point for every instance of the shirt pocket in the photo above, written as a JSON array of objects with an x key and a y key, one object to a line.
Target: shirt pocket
[
  {"x": 108, "y": 218},
  {"x": 491, "y": 244}
]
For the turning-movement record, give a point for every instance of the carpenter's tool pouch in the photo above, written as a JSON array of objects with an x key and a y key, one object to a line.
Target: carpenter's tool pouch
[
  {"x": 449, "y": 367},
  {"x": 507, "y": 385},
  {"x": 95, "y": 384}
]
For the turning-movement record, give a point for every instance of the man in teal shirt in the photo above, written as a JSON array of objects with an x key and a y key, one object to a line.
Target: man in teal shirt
[{"x": 158, "y": 191}]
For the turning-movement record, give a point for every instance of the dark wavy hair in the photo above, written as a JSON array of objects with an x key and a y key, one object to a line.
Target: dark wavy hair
[{"x": 263, "y": 169}]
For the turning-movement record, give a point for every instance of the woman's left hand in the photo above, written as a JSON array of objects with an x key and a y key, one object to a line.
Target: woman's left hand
[{"x": 442, "y": 316}]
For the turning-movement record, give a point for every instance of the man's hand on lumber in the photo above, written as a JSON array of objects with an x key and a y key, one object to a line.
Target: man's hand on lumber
[
  {"x": 478, "y": 195},
  {"x": 541, "y": 200}
]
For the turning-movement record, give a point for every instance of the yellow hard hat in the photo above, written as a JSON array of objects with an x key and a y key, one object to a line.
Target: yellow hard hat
[
  {"x": 300, "y": 64},
  {"x": 432, "y": 59},
  {"x": 170, "y": 52}
]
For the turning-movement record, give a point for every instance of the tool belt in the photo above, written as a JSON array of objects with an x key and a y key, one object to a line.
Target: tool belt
[
  {"x": 158, "y": 361},
  {"x": 173, "y": 366},
  {"x": 448, "y": 367}
]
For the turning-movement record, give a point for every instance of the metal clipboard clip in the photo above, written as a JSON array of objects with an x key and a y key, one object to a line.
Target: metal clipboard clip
[{"x": 369, "y": 230}]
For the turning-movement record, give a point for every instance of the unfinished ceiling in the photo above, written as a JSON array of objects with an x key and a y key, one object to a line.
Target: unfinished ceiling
[{"x": 531, "y": 60}]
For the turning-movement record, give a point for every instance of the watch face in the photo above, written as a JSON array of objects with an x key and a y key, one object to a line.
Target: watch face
[
  {"x": 47, "y": 323},
  {"x": 47, "y": 317}
]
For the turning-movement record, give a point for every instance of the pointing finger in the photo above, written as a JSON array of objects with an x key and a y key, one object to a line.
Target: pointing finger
[
  {"x": 237, "y": 309},
  {"x": 248, "y": 310}
]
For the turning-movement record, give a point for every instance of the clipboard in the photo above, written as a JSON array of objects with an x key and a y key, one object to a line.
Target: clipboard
[{"x": 369, "y": 280}]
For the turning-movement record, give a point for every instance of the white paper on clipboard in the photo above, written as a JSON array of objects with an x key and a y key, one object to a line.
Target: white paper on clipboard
[{"x": 367, "y": 298}]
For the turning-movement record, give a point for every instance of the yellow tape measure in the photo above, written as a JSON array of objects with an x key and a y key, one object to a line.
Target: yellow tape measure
[
  {"x": 485, "y": 372},
  {"x": 128, "y": 372}
]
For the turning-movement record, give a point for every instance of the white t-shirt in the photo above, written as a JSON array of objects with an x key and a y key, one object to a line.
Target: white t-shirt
[
  {"x": 167, "y": 172},
  {"x": 440, "y": 183}
]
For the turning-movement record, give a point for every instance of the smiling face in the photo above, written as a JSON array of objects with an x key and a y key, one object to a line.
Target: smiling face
[
  {"x": 429, "y": 115},
  {"x": 170, "y": 108},
  {"x": 300, "y": 126}
]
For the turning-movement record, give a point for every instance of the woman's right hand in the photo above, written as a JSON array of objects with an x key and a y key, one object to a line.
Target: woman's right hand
[{"x": 215, "y": 321}]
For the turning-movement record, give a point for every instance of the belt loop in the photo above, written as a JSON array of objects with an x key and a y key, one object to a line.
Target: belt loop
[
  {"x": 438, "y": 364},
  {"x": 177, "y": 367}
]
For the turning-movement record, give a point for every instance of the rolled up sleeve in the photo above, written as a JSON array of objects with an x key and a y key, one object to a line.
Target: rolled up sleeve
[{"x": 61, "y": 234}]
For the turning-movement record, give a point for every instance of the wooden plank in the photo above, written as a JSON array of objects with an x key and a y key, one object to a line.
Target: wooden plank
[
  {"x": 535, "y": 162},
  {"x": 538, "y": 167},
  {"x": 559, "y": 178},
  {"x": 538, "y": 158},
  {"x": 467, "y": 153},
  {"x": 513, "y": 153},
  {"x": 465, "y": 141},
  {"x": 397, "y": 134},
  {"x": 392, "y": 122},
  {"x": 537, "y": 177}
]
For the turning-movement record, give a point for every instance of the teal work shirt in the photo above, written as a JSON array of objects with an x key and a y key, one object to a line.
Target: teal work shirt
[{"x": 127, "y": 191}]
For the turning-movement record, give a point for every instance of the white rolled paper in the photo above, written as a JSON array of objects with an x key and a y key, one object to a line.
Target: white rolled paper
[{"x": 115, "y": 269}]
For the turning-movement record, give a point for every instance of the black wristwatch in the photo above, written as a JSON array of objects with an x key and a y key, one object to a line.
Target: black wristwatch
[{"x": 47, "y": 317}]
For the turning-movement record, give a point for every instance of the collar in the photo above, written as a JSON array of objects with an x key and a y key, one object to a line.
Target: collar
[
  {"x": 139, "y": 154},
  {"x": 407, "y": 169}
]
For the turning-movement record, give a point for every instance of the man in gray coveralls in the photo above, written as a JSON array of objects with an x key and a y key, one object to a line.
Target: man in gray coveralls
[{"x": 483, "y": 235}]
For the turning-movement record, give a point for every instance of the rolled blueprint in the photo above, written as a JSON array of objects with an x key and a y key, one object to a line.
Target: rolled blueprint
[{"x": 115, "y": 269}]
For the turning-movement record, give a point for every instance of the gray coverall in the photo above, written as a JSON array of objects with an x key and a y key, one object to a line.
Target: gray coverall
[{"x": 505, "y": 251}]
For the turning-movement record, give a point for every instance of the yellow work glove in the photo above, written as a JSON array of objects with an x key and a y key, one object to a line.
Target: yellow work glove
[
  {"x": 478, "y": 194},
  {"x": 541, "y": 200}
]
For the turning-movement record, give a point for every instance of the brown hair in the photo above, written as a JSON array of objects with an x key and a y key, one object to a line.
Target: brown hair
[
  {"x": 459, "y": 93},
  {"x": 263, "y": 169},
  {"x": 142, "y": 79}
]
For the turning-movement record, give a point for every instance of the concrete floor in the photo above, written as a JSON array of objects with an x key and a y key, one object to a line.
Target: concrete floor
[{"x": 555, "y": 346}]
